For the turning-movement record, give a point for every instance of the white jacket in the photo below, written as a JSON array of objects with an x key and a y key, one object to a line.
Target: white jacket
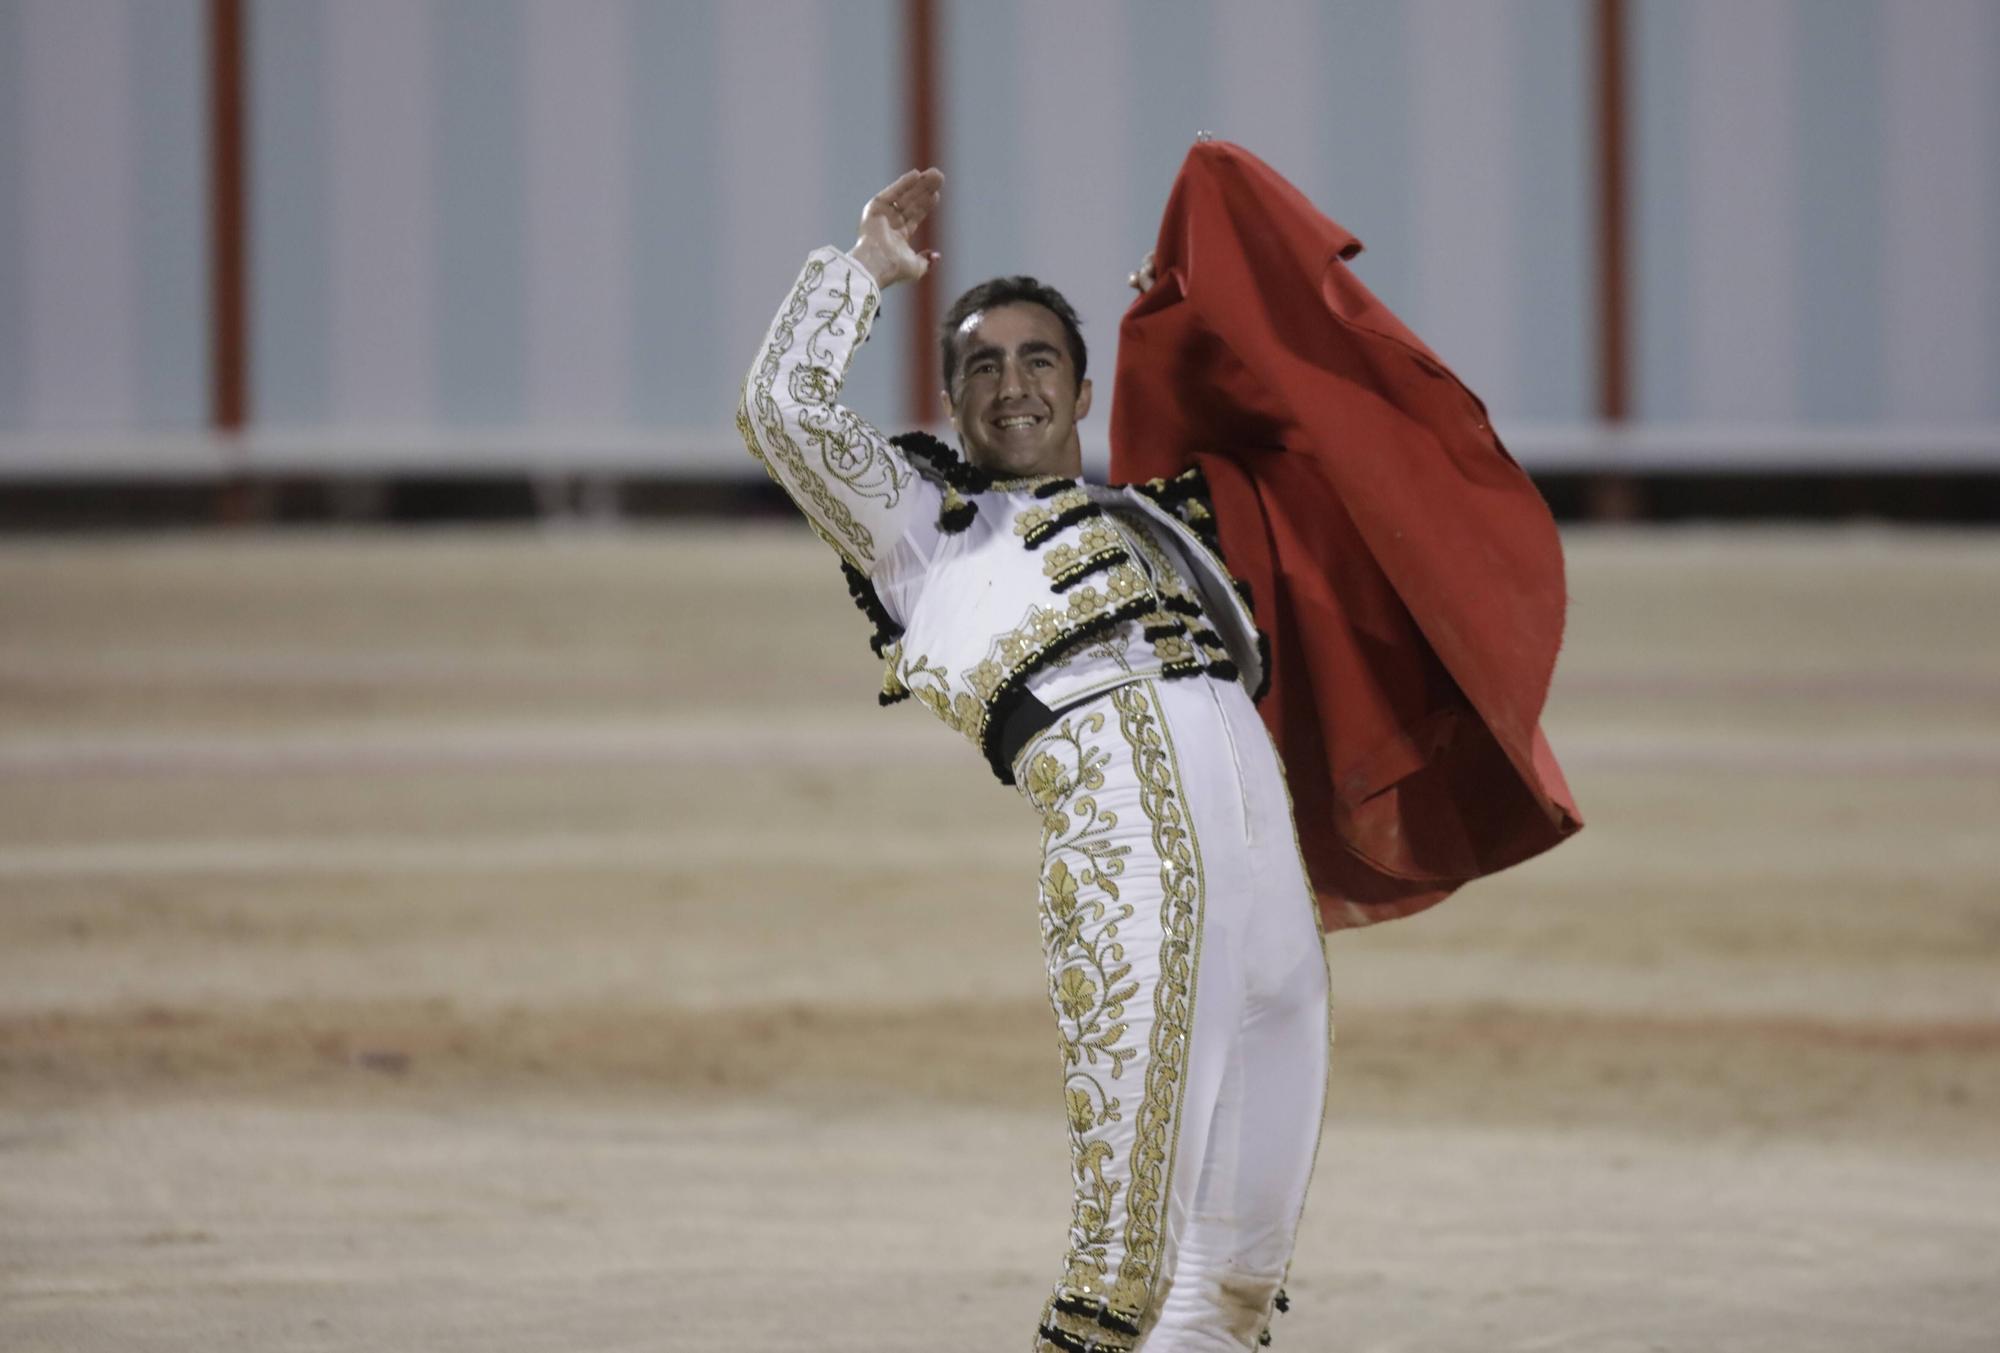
[{"x": 982, "y": 589}]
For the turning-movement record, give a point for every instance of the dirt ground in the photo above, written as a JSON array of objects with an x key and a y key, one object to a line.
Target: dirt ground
[{"x": 539, "y": 940}]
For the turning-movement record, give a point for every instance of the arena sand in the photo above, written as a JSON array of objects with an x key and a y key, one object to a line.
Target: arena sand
[{"x": 539, "y": 940}]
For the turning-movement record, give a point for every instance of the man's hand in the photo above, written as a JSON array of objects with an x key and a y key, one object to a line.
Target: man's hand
[
  {"x": 890, "y": 220},
  {"x": 1141, "y": 279}
]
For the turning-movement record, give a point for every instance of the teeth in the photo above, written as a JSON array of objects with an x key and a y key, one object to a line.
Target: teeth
[{"x": 1017, "y": 422}]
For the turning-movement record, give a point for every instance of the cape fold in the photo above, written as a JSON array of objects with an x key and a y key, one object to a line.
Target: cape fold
[{"x": 1405, "y": 568}]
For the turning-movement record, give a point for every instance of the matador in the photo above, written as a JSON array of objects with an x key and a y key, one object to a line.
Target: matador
[{"x": 1092, "y": 644}]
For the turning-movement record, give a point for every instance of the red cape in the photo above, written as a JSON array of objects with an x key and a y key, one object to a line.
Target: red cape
[{"x": 1407, "y": 571}]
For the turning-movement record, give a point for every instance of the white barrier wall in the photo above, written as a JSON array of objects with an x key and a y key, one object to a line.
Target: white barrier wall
[
  {"x": 103, "y": 273},
  {"x": 550, "y": 231}
]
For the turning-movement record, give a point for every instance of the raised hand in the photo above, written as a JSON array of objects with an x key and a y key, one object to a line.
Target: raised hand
[
  {"x": 1141, "y": 279},
  {"x": 889, "y": 222}
]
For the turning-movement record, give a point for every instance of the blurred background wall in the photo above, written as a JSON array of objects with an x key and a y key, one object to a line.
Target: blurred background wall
[{"x": 505, "y": 233}]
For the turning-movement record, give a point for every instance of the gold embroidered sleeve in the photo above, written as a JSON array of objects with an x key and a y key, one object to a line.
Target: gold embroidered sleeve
[{"x": 857, "y": 490}]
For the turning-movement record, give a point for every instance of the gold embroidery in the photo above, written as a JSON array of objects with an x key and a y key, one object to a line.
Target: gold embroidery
[
  {"x": 892, "y": 681},
  {"x": 745, "y": 431},
  {"x": 1079, "y": 1331},
  {"x": 1167, "y": 579},
  {"x": 1072, "y": 564},
  {"x": 1096, "y": 540},
  {"x": 1111, "y": 649},
  {"x": 1244, "y": 616},
  {"x": 1033, "y": 520},
  {"x": 1036, "y": 640},
  {"x": 850, "y": 449},
  {"x": 961, "y": 712},
  {"x": 1089, "y": 977},
  {"x": 1157, "y": 1125},
  {"x": 1081, "y": 916},
  {"x": 852, "y": 452}
]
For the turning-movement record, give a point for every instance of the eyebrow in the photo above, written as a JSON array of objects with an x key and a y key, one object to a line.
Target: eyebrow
[{"x": 1033, "y": 345}]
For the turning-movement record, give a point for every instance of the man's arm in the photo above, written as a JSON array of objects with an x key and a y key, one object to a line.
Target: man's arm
[{"x": 857, "y": 490}]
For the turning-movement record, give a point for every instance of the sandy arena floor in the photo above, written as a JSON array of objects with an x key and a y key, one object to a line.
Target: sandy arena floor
[{"x": 523, "y": 941}]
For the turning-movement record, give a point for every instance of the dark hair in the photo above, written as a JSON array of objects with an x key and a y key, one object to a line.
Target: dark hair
[{"x": 1010, "y": 291}]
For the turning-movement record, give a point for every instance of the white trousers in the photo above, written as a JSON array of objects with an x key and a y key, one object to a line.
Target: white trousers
[{"x": 1188, "y": 977}]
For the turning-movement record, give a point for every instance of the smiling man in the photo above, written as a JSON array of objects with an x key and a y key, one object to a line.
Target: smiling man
[
  {"x": 1089, "y": 642},
  {"x": 1014, "y": 361}
]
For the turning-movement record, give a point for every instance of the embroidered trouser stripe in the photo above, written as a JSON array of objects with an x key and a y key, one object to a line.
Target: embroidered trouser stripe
[{"x": 1128, "y": 894}]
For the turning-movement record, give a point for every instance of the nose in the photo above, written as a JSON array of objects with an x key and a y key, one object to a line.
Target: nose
[{"x": 1013, "y": 380}]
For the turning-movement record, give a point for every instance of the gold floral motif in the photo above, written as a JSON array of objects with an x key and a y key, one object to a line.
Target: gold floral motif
[
  {"x": 1075, "y": 993},
  {"x": 931, "y": 684},
  {"x": 1082, "y": 1113},
  {"x": 1157, "y": 1126},
  {"x": 1090, "y": 979}
]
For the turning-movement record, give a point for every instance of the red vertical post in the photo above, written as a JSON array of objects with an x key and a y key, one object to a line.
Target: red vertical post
[
  {"x": 920, "y": 115},
  {"x": 228, "y": 336},
  {"x": 1612, "y": 495},
  {"x": 1613, "y": 309}
]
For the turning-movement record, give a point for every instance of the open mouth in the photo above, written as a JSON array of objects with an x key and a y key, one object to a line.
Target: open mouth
[{"x": 1016, "y": 421}]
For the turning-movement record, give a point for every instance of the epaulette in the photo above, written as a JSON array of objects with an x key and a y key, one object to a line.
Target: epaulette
[{"x": 943, "y": 466}]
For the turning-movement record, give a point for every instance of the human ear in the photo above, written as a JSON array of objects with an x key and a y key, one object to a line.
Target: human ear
[
  {"x": 1083, "y": 398},
  {"x": 950, "y": 414}
]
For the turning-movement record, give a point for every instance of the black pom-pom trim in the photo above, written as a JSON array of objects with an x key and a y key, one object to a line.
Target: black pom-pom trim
[
  {"x": 1095, "y": 1309},
  {"x": 1284, "y": 1302},
  {"x": 1063, "y": 1339},
  {"x": 957, "y": 516},
  {"x": 1174, "y": 601},
  {"x": 1204, "y": 531},
  {"x": 1053, "y": 487},
  {"x": 885, "y": 699},
  {"x": 1034, "y": 538},
  {"x": 1155, "y": 633},
  {"x": 943, "y": 462},
  {"x": 1117, "y": 1323},
  {"x": 1208, "y": 638},
  {"x": 1189, "y": 483},
  {"x": 1180, "y": 671},
  {"x": 887, "y": 631},
  {"x": 1222, "y": 669},
  {"x": 1108, "y": 560},
  {"x": 1243, "y": 591}
]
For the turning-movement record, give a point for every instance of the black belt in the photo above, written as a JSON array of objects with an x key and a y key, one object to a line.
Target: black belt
[{"x": 1028, "y": 717}]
